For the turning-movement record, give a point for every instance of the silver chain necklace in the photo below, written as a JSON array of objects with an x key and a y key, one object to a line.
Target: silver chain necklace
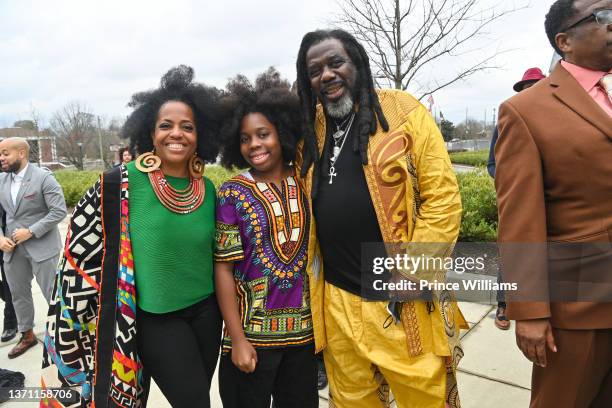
[{"x": 339, "y": 137}]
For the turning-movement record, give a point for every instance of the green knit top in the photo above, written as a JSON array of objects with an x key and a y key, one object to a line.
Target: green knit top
[{"x": 173, "y": 253}]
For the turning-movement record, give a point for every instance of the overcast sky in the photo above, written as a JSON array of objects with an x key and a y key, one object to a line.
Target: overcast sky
[{"x": 101, "y": 52}]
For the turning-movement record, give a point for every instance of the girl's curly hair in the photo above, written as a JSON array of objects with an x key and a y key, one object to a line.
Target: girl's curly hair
[
  {"x": 176, "y": 85},
  {"x": 271, "y": 96}
]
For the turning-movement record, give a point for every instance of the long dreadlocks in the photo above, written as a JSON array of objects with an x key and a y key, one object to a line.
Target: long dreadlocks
[{"x": 366, "y": 98}]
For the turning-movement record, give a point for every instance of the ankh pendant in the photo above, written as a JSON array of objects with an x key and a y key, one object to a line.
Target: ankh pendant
[{"x": 332, "y": 173}]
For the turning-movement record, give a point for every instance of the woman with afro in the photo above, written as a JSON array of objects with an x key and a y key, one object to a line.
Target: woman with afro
[
  {"x": 134, "y": 295},
  {"x": 263, "y": 222},
  {"x": 125, "y": 155}
]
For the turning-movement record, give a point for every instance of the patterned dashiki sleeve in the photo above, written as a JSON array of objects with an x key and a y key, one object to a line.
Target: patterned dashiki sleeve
[{"x": 228, "y": 244}]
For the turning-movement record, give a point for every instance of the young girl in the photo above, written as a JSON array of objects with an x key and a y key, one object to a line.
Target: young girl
[{"x": 263, "y": 219}]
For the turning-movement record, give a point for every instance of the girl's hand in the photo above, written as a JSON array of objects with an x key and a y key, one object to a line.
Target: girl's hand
[{"x": 244, "y": 356}]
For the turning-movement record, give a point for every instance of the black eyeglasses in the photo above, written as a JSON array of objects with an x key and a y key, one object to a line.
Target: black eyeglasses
[{"x": 602, "y": 16}]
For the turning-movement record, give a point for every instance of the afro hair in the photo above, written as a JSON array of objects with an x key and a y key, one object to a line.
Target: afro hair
[
  {"x": 271, "y": 96},
  {"x": 176, "y": 85}
]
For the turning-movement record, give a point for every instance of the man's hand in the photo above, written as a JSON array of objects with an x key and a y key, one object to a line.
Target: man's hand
[
  {"x": 244, "y": 356},
  {"x": 532, "y": 337},
  {"x": 21, "y": 235},
  {"x": 6, "y": 245}
]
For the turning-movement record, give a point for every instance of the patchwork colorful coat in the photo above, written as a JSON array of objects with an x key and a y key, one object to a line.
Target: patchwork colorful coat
[
  {"x": 416, "y": 199},
  {"x": 90, "y": 338}
]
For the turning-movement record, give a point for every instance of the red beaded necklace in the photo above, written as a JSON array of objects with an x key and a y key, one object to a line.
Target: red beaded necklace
[{"x": 178, "y": 201}]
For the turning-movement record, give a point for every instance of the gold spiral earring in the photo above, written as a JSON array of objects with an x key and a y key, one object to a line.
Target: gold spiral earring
[
  {"x": 148, "y": 162},
  {"x": 196, "y": 167}
]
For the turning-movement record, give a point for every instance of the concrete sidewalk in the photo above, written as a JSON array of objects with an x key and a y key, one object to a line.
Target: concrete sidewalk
[
  {"x": 493, "y": 373},
  {"x": 462, "y": 168}
]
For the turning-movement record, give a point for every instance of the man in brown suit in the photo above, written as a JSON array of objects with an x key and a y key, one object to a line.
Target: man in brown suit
[{"x": 554, "y": 185}]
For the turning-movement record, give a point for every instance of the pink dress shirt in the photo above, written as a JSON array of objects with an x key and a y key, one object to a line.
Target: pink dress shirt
[{"x": 588, "y": 79}]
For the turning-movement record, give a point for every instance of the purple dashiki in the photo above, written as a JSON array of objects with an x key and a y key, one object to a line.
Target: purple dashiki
[{"x": 264, "y": 230}]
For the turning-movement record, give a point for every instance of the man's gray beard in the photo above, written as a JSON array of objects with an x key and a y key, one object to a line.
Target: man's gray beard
[{"x": 340, "y": 109}]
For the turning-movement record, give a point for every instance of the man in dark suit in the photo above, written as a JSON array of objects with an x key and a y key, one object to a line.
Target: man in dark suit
[
  {"x": 9, "y": 330},
  {"x": 530, "y": 77},
  {"x": 33, "y": 203},
  {"x": 554, "y": 188}
]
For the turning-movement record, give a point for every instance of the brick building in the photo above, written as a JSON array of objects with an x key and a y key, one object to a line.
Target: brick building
[{"x": 42, "y": 144}]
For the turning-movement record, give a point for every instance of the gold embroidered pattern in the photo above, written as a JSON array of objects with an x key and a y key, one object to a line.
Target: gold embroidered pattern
[
  {"x": 416, "y": 204},
  {"x": 386, "y": 176},
  {"x": 411, "y": 327},
  {"x": 379, "y": 209}
]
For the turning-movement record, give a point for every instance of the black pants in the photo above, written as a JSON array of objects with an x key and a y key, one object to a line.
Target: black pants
[
  {"x": 501, "y": 294},
  {"x": 10, "y": 319},
  {"x": 289, "y": 375},
  {"x": 180, "y": 351}
]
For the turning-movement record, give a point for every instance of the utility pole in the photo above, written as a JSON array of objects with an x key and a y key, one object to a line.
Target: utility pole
[
  {"x": 467, "y": 128},
  {"x": 484, "y": 125},
  {"x": 100, "y": 142}
]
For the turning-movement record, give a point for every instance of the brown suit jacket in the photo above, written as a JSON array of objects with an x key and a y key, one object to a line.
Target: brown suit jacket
[{"x": 554, "y": 187}]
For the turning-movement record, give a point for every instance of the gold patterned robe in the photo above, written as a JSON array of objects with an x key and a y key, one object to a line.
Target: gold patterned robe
[{"x": 416, "y": 198}]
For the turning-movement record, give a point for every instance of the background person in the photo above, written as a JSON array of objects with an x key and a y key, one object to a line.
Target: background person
[
  {"x": 530, "y": 77},
  {"x": 554, "y": 189},
  {"x": 125, "y": 155},
  {"x": 9, "y": 329},
  {"x": 136, "y": 285},
  {"x": 33, "y": 202}
]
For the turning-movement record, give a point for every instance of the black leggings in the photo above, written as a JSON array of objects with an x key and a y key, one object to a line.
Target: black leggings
[
  {"x": 289, "y": 375},
  {"x": 180, "y": 350}
]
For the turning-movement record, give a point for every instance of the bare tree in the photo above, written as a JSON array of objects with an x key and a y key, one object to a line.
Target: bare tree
[
  {"x": 405, "y": 38},
  {"x": 473, "y": 129},
  {"x": 36, "y": 117},
  {"x": 26, "y": 124},
  {"x": 33, "y": 122},
  {"x": 74, "y": 127}
]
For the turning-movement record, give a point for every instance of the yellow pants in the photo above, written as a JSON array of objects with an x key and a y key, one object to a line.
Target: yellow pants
[{"x": 361, "y": 352}]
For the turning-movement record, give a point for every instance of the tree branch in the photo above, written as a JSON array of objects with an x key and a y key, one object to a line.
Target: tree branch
[{"x": 403, "y": 38}]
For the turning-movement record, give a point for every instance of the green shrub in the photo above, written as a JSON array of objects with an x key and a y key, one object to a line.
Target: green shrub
[
  {"x": 75, "y": 183},
  {"x": 479, "y": 221},
  {"x": 477, "y": 158}
]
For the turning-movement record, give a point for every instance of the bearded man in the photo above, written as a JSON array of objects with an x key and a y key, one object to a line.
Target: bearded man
[
  {"x": 34, "y": 204},
  {"x": 375, "y": 165}
]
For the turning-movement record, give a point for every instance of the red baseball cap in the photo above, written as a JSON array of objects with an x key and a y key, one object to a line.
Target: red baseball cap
[{"x": 531, "y": 75}]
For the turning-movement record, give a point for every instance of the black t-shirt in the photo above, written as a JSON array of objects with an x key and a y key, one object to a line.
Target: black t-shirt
[{"x": 345, "y": 217}]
